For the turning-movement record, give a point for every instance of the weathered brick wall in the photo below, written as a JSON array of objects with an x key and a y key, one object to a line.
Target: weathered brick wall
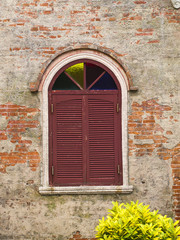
[
  {"x": 145, "y": 36},
  {"x": 149, "y": 137},
  {"x": 18, "y": 119}
]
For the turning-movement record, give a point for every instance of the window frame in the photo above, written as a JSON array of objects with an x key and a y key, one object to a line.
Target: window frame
[
  {"x": 114, "y": 67},
  {"x": 87, "y": 92}
]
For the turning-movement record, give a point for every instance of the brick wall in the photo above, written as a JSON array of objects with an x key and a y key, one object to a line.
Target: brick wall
[
  {"x": 143, "y": 125},
  {"x": 143, "y": 36},
  {"x": 18, "y": 118}
]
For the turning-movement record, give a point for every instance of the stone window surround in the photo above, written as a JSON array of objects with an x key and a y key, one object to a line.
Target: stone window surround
[{"x": 53, "y": 68}]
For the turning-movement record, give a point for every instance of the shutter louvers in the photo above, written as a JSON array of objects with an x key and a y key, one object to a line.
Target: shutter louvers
[
  {"x": 102, "y": 139},
  {"x": 68, "y": 140}
]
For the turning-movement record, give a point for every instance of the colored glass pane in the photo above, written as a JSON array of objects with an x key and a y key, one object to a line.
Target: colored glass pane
[
  {"x": 64, "y": 83},
  {"x": 106, "y": 82},
  {"x": 92, "y": 73},
  {"x": 77, "y": 73}
]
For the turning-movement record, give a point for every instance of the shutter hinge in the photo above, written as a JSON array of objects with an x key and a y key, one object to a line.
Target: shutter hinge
[
  {"x": 52, "y": 170},
  {"x": 52, "y": 108},
  {"x": 118, "y": 169},
  {"x": 117, "y": 107}
]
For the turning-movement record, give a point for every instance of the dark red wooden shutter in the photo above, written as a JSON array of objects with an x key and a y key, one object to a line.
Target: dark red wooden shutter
[
  {"x": 85, "y": 142},
  {"x": 67, "y": 140},
  {"x": 103, "y": 143}
]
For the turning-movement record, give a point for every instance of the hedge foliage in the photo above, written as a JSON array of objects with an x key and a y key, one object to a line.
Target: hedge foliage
[{"x": 136, "y": 221}]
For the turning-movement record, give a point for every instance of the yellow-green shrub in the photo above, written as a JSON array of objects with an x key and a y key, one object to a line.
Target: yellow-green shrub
[{"x": 136, "y": 221}]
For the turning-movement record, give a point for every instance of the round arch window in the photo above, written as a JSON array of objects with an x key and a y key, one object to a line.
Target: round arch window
[{"x": 85, "y": 126}]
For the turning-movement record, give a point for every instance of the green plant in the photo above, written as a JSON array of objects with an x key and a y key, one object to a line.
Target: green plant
[{"x": 136, "y": 221}]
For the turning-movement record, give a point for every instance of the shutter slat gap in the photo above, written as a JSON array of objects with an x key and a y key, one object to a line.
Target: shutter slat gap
[
  {"x": 117, "y": 107},
  {"x": 118, "y": 169},
  {"x": 52, "y": 170}
]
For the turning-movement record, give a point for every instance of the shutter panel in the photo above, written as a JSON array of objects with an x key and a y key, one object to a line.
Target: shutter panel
[
  {"x": 67, "y": 140},
  {"x": 102, "y": 135}
]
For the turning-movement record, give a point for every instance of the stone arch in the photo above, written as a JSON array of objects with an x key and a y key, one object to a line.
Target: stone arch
[
  {"x": 43, "y": 86},
  {"x": 71, "y": 50}
]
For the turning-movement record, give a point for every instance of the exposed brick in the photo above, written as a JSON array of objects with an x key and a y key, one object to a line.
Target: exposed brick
[
  {"x": 77, "y": 236},
  {"x": 139, "y": 2},
  {"x": 34, "y": 29},
  {"x": 154, "y": 41},
  {"x": 13, "y": 132},
  {"x": 47, "y": 12},
  {"x": 143, "y": 125},
  {"x": 112, "y": 19}
]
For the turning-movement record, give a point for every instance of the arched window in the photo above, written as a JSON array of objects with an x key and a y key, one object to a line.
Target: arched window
[
  {"x": 84, "y": 126},
  {"x": 84, "y": 103}
]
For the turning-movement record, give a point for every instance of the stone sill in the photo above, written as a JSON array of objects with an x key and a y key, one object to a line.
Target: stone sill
[{"x": 86, "y": 190}]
